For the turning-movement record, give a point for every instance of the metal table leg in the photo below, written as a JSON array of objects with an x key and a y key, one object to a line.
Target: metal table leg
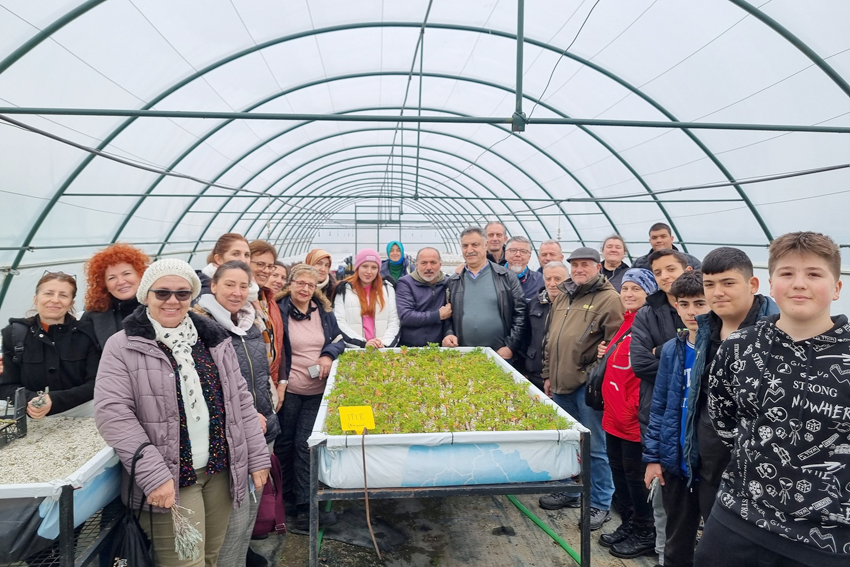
[
  {"x": 585, "y": 499},
  {"x": 66, "y": 526},
  {"x": 314, "y": 506}
]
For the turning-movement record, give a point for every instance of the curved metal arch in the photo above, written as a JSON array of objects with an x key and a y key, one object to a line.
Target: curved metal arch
[
  {"x": 460, "y": 173},
  {"x": 70, "y": 16},
  {"x": 436, "y": 133},
  {"x": 471, "y": 202},
  {"x": 306, "y": 231},
  {"x": 434, "y": 190}
]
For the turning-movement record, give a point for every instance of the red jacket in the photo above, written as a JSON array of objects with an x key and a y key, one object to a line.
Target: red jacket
[{"x": 621, "y": 388}]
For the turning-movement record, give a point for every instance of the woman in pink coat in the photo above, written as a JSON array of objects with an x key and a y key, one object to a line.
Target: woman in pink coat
[{"x": 171, "y": 378}]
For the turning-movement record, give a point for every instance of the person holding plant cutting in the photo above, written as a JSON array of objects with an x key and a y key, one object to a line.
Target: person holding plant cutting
[
  {"x": 312, "y": 340},
  {"x": 620, "y": 390},
  {"x": 587, "y": 312}
]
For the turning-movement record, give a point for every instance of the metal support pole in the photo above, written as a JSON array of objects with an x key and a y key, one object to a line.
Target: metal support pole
[
  {"x": 419, "y": 124},
  {"x": 314, "y": 506},
  {"x": 66, "y": 526},
  {"x": 585, "y": 499},
  {"x": 518, "y": 120}
]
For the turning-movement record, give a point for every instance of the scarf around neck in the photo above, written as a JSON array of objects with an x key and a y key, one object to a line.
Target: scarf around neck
[
  {"x": 245, "y": 317},
  {"x": 180, "y": 341},
  {"x": 323, "y": 284},
  {"x": 416, "y": 276}
]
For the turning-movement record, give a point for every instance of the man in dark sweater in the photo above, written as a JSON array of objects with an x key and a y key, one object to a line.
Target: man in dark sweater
[
  {"x": 420, "y": 299},
  {"x": 496, "y": 236},
  {"x": 661, "y": 238},
  {"x": 779, "y": 399}
]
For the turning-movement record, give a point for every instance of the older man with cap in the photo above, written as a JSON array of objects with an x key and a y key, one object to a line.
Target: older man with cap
[
  {"x": 420, "y": 299},
  {"x": 587, "y": 312}
]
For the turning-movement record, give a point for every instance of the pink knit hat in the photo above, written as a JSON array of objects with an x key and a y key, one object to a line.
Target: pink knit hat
[{"x": 366, "y": 255}]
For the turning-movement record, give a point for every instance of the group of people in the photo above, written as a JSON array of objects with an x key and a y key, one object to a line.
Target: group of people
[{"x": 712, "y": 392}]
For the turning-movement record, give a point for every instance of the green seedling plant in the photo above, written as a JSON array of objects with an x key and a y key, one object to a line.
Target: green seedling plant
[{"x": 433, "y": 390}]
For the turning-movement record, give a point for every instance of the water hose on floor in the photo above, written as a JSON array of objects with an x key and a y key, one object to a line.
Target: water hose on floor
[{"x": 558, "y": 539}]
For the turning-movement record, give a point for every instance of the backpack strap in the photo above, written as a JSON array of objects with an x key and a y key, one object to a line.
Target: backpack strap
[{"x": 19, "y": 335}]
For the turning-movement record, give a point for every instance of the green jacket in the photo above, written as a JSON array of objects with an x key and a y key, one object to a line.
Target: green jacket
[{"x": 580, "y": 318}]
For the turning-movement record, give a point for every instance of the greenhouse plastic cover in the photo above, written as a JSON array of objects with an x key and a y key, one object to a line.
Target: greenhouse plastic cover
[
  {"x": 183, "y": 181},
  {"x": 449, "y": 458}
]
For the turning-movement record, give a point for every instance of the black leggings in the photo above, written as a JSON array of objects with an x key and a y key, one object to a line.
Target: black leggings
[
  {"x": 627, "y": 469},
  {"x": 297, "y": 417}
]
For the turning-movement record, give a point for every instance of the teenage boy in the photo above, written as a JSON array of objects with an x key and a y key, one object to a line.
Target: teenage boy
[
  {"x": 661, "y": 238},
  {"x": 656, "y": 323},
  {"x": 731, "y": 290},
  {"x": 670, "y": 437},
  {"x": 779, "y": 397}
]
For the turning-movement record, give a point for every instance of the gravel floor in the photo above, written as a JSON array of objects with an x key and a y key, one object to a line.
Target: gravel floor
[{"x": 53, "y": 448}]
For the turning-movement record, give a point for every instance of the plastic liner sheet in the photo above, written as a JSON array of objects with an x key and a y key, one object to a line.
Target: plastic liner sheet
[
  {"x": 29, "y": 513},
  {"x": 448, "y": 459}
]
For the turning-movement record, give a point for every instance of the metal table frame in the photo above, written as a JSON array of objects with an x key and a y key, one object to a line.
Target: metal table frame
[
  {"x": 321, "y": 493},
  {"x": 67, "y": 538}
]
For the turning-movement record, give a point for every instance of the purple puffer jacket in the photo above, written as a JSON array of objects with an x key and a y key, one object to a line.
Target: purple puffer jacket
[{"x": 135, "y": 400}]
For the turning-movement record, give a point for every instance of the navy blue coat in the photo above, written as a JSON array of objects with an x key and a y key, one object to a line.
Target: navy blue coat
[
  {"x": 334, "y": 345},
  {"x": 418, "y": 306},
  {"x": 531, "y": 283}
]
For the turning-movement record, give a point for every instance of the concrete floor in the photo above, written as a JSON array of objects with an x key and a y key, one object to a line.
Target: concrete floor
[{"x": 481, "y": 530}]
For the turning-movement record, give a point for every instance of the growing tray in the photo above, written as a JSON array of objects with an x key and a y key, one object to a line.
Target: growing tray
[{"x": 449, "y": 458}]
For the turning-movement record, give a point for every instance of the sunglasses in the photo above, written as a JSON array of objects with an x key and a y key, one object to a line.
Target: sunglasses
[
  {"x": 60, "y": 274},
  {"x": 165, "y": 294}
]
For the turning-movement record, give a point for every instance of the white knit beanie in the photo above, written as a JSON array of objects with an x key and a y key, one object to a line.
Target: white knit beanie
[{"x": 167, "y": 267}]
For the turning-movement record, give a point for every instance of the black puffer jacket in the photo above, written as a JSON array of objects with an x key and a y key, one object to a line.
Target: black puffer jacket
[
  {"x": 655, "y": 323},
  {"x": 107, "y": 323},
  {"x": 512, "y": 306},
  {"x": 254, "y": 365},
  {"x": 64, "y": 358}
]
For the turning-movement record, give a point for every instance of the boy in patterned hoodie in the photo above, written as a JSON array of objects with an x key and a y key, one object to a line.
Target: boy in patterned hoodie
[{"x": 779, "y": 396}]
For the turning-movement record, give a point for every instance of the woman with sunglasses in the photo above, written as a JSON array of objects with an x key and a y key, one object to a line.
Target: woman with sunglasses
[
  {"x": 312, "y": 341},
  {"x": 228, "y": 306},
  {"x": 263, "y": 257},
  {"x": 51, "y": 353},
  {"x": 113, "y": 275},
  {"x": 172, "y": 378}
]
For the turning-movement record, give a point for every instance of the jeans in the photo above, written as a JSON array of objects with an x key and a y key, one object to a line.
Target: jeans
[
  {"x": 297, "y": 416},
  {"x": 627, "y": 470},
  {"x": 601, "y": 483},
  {"x": 721, "y": 546}
]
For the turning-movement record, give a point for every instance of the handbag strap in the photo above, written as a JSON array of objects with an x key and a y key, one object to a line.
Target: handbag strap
[{"x": 136, "y": 456}]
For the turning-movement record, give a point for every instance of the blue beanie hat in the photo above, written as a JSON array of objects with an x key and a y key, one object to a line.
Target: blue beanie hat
[
  {"x": 400, "y": 249},
  {"x": 643, "y": 278}
]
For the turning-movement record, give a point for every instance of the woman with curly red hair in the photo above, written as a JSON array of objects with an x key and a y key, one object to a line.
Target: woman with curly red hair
[{"x": 113, "y": 275}]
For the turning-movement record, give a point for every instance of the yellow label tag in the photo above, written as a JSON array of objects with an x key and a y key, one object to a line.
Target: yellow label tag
[{"x": 355, "y": 418}]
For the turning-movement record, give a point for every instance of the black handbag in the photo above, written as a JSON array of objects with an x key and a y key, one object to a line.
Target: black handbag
[
  {"x": 593, "y": 386},
  {"x": 131, "y": 547}
]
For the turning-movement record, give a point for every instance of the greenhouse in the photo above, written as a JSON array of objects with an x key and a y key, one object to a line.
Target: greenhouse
[{"x": 345, "y": 126}]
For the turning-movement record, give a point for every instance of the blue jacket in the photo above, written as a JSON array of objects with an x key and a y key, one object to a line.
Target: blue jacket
[
  {"x": 531, "y": 282},
  {"x": 661, "y": 442},
  {"x": 418, "y": 306}
]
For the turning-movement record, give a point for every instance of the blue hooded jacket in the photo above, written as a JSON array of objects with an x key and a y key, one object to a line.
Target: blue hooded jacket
[{"x": 661, "y": 442}]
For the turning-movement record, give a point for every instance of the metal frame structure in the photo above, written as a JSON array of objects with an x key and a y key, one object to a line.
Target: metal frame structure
[
  {"x": 412, "y": 183},
  {"x": 321, "y": 493}
]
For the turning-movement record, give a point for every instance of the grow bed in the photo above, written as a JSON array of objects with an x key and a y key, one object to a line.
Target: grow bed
[
  {"x": 528, "y": 446},
  {"x": 58, "y": 453}
]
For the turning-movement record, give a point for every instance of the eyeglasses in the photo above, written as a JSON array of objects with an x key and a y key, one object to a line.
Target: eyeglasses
[
  {"x": 59, "y": 273},
  {"x": 518, "y": 251},
  {"x": 262, "y": 266},
  {"x": 308, "y": 285},
  {"x": 165, "y": 294}
]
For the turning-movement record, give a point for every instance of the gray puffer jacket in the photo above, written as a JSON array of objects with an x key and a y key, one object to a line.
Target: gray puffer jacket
[
  {"x": 135, "y": 401},
  {"x": 251, "y": 352}
]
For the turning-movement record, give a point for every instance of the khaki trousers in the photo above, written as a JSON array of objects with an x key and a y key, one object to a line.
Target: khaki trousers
[{"x": 211, "y": 503}]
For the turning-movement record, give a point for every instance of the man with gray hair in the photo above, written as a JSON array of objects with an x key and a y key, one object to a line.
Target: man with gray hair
[
  {"x": 518, "y": 253},
  {"x": 421, "y": 301},
  {"x": 549, "y": 251},
  {"x": 488, "y": 308},
  {"x": 538, "y": 315}
]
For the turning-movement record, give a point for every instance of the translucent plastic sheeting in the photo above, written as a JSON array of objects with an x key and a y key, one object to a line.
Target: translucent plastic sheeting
[{"x": 302, "y": 184}]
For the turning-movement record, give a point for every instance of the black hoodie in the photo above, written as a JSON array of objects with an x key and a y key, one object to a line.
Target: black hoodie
[{"x": 783, "y": 407}]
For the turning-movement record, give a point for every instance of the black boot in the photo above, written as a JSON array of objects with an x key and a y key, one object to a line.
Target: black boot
[
  {"x": 620, "y": 534},
  {"x": 301, "y": 525},
  {"x": 254, "y": 559},
  {"x": 641, "y": 542}
]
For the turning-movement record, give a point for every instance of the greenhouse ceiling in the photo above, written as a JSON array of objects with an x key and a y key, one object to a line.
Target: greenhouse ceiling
[{"x": 166, "y": 124}]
